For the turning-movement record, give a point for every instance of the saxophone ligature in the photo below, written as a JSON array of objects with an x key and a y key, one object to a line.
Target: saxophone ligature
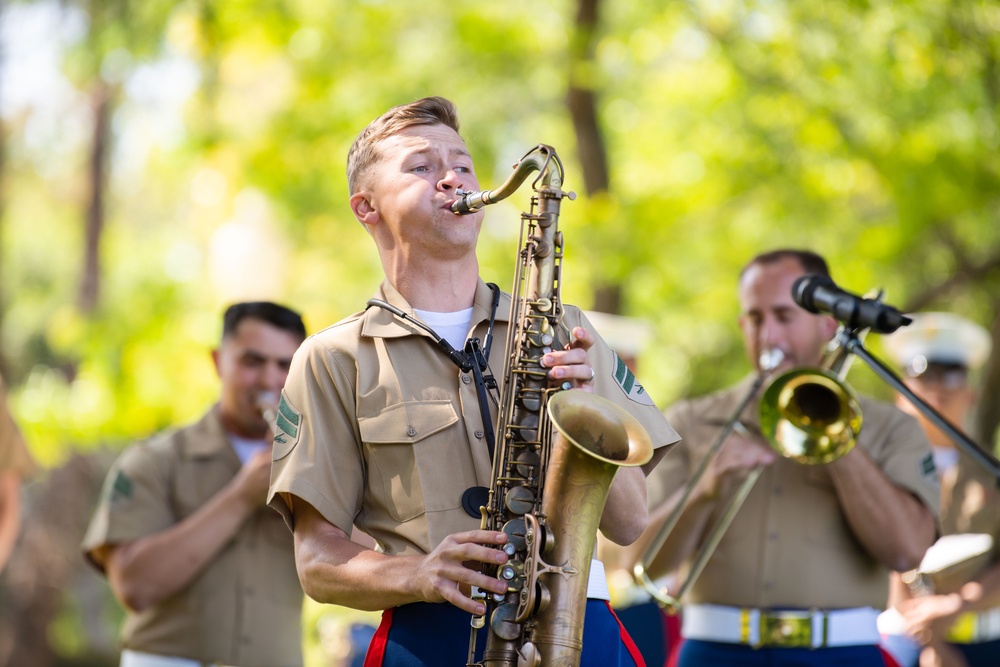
[{"x": 557, "y": 450}]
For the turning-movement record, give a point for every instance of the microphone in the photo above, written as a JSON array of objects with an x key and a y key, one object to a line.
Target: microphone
[{"x": 819, "y": 294}]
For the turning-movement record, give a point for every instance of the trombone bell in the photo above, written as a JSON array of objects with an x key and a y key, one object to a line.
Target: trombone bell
[{"x": 810, "y": 416}]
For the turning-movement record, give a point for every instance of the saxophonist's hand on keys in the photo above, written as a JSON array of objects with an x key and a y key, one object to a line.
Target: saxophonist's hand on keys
[
  {"x": 572, "y": 364},
  {"x": 448, "y": 573}
]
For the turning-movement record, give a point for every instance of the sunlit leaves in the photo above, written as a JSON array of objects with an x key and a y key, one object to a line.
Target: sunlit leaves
[{"x": 867, "y": 130}]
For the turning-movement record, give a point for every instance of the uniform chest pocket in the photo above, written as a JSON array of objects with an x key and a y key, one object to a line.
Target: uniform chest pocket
[{"x": 404, "y": 444}]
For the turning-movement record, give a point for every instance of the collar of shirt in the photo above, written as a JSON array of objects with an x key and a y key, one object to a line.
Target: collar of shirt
[{"x": 380, "y": 323}]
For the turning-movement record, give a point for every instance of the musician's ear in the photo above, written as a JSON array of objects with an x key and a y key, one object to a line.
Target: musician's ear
[{"x": 363, "y": 208}]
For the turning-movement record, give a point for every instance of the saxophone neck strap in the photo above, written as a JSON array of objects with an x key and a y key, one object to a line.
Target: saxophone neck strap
[
  {"x": 475, "y": 359},
  {"x": 472, "y": 356}
]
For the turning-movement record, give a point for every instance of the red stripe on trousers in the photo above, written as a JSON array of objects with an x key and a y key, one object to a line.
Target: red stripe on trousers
[
  {"x": 887, "y": 658},
  {"x": 633, "y": 650},
  {"x": 376, "y": 649}
]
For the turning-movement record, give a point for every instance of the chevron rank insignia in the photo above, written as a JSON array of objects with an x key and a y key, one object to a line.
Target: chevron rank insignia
[
  {"x": 628, "y": 384},
  {"x": 927, "y": 467},
  {"x": 287, "y": 423},
  {"x": 121, "y": 488}
]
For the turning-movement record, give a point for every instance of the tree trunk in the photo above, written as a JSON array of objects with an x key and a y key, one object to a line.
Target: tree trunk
[
  {"x": 581, "y": 99},
  {"x": 90, "y": 283},
  {"x": 47, "y": 575}
]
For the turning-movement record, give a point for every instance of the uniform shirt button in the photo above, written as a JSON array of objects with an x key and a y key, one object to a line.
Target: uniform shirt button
[
  {"x": 466, "y": 379},
  {"x": 777, "y": 490},
  {"x": 768, "y": 585},
  {"x": 773, "y": 535},
  {"x": 410, "y": 431},
  {"x": 479, "y": 434}
]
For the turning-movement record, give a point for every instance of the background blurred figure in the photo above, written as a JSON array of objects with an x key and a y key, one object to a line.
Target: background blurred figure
[
  {"x": 205, "y": 570},
  {"x": 16, "y": 465},
  {"x": 956, "y": 628},
  {"x": 800, "y": 574}
]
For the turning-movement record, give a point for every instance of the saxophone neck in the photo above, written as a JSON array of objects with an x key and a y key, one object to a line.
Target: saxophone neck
[{"x": 542, "y": 158}]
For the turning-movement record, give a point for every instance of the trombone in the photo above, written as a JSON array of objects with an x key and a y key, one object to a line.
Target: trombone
[{"x": 808, "y": 415}]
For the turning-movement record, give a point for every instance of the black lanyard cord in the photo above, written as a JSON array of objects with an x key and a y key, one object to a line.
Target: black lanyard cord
[
  {"x": 474, "y": 358},
  {"x": 460, "y": 359}
]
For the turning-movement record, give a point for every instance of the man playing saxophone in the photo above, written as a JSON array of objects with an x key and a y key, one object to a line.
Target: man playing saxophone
[
  {"x": 383, "y": 427},
  {"x": 799, "y": 574}
]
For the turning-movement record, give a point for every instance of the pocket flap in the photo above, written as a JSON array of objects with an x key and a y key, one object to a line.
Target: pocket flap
[{"x": 407, "y": 422}]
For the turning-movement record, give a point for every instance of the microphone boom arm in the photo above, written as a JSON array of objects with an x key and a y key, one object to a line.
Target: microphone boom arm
[{"x": 984, "y": 458}]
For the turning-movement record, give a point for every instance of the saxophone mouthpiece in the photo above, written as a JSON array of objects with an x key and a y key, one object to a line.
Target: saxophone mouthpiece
[{"x": 470, "y": 201}]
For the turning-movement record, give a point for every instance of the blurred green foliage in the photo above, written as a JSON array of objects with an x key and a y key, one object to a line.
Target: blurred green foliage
[{"x": 866, "y": 130}]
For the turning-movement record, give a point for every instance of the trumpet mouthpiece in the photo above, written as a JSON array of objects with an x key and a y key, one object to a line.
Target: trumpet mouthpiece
[
  {"x": 267, "y": 404},
  {"x": 770, "y": 359}
]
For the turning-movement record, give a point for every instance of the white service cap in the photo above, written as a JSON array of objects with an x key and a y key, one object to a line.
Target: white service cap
[{"x": 938, "y": 338}]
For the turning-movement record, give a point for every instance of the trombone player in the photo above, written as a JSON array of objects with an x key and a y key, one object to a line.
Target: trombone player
[{"x": 800, "y": 573}]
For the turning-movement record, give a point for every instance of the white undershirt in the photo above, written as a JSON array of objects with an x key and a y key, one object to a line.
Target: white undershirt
[
  {"x": 245, "y": 448},
  {"x": 945, "y": 458},
  {"x": 453, "y": 327}
]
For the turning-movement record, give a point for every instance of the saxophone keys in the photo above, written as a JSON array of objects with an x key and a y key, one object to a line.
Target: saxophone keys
[
  {"x": 544, "y": 304},
  {"x": 511, "y": 574},
  {"x": 529, "y": 656},
  {"x": 528, "y": 463},
  {"x": 519, "y": 500},
  {"x": 503, "y": 624},
  {"x": 515, "y": 531}
]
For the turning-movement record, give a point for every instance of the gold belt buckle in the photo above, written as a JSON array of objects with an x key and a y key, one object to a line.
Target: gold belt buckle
[
  {"x": 786, "y": 629},
  {"x": 965, "y": 629}
]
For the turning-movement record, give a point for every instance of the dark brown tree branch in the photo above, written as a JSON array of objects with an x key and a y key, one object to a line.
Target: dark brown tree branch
[
  {"x": 581, "y": 99},
  {"x": 966, "y": 274},
  {"x": 90, "y": 282}
]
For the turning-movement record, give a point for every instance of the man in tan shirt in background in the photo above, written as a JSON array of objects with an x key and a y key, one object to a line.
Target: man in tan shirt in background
[{"x": 204, "y": 569}]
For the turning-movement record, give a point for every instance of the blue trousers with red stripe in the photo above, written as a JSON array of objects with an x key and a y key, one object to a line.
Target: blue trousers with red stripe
[{"x": 427, "y": 635}]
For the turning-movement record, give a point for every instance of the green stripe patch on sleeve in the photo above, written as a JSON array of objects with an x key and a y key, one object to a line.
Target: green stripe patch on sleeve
[
  {"x": 287, "y": 423},
  {"x": 121, "y": 488},
  {"x": 927, "y": 466},
  {"x": 628, "y": 384}
]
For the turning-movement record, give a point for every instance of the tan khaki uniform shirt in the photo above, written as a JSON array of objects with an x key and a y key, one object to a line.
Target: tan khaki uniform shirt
[
  {"x": 382, "y": 431},
  {"x": 789, "y": 545},
  {"x": 245, "y": 607},
  {"x": 13, "y": 450},
  {"x": 970, "y": 502}
]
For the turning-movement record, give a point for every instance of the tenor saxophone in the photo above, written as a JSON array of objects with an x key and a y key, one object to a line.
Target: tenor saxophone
[{"x": 557, "y": 451}]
